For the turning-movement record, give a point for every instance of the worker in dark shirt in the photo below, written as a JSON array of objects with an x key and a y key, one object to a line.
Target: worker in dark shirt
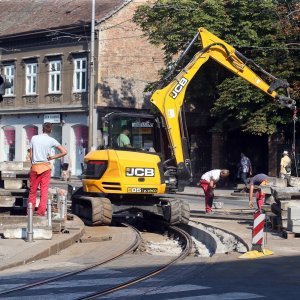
[{"x": 259, "y": 179}]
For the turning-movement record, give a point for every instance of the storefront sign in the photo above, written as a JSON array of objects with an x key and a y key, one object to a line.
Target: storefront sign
[{"x": 52, "y": 118}]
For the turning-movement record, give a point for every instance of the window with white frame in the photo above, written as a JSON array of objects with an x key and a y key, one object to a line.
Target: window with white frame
[
  {"x": 80, "y": 75},
  {"x": 9, "y": 72},
  {"x": 31, "y": 78},
  {"x": 55, "y": 76}
]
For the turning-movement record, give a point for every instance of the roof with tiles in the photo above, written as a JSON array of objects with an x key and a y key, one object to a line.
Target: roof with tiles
[{"x": 20, "y": 16}]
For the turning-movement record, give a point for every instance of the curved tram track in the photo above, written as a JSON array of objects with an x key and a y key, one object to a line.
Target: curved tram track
[
  {"x": 133, "y": 246},
  {"x": 186, "y": 242},
  {"x": 187, "y": 248}
]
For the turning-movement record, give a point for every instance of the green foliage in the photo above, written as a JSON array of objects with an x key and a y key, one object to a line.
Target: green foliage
[{"x": 262, "y": 30}]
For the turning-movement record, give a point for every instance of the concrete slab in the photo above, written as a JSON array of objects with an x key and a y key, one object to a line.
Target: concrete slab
[
  {"x": 21, "y": 221},
  {"x": 24, "y": 174},
  {"x": 7, "y": 201},
  {"x": 15, "y": 252},
  {"x": 286, "y": 193},
  {"x": 39, "y": 233},
  {"x": 285, "y": 204},
  {"x": 13, "y": 184},
  {"x": 14, "y": 166},
  {"x": 294, "y": 213},
  {"x": 294, "y": 182}
]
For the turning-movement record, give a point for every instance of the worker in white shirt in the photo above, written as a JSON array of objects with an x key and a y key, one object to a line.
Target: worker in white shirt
[{"x": 208, "y": 183}]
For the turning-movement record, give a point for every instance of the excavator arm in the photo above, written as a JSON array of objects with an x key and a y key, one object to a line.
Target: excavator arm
[{"x": 169, "y": 100}]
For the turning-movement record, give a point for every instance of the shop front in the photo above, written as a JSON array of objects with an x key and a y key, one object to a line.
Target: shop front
[{"x": 69, "y": 129}]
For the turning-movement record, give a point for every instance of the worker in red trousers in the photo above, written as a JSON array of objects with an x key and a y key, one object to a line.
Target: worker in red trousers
[
  {"x": 40, "y": 172},
  {"x": 208, "y": 183}
]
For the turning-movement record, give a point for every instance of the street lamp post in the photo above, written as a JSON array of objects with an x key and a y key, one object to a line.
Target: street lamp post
[{"x": 92, "y": 81}]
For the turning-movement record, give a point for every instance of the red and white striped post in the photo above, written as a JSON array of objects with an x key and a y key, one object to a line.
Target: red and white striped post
[{"x": 258, "y": 231}]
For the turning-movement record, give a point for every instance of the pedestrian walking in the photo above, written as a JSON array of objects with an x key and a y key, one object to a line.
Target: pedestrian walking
[
  {"x": 245, "y": 168},
  {"x": 285, "y": 166},
  {"x": 65, "y": 168},
  {"x": 40, "y": 173},
  {"x": 208, "y": 183},
  {"x": 259, "y": 179}
]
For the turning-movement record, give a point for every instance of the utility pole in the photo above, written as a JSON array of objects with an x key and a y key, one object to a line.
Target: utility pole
[{"x": 92, "y": 81}]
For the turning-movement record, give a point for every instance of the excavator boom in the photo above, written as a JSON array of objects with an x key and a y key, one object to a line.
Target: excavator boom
[
  {"x": 169, "y": 100},
  {"x": 130, "y": 179}
]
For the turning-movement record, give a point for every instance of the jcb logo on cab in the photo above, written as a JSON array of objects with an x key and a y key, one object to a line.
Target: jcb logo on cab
[{"x": 140, "y": 172}]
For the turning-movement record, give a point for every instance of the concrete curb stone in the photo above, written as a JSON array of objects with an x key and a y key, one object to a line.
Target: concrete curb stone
[{"x": 16, "y": 252}]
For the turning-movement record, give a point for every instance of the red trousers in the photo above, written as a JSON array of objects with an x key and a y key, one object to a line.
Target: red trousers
[
  {"x": 43, "y": 181},
  {"x": 260, "y": 199},
  {"x": 209, "y": 194}
]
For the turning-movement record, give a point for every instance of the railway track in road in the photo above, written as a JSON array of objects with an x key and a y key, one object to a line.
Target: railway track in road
[
  {"x": 40, "y": 286},
  {"x": 186, "y": 250},
  {"x": 133, "y": 246}
]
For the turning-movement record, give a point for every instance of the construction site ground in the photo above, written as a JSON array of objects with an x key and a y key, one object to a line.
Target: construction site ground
[{"x": 14, "y": 252}]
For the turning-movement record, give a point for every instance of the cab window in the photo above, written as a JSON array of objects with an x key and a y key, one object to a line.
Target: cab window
[{"x": 133, "y": 133}]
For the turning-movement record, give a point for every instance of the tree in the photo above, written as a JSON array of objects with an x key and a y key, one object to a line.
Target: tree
[{"x": 261, "y": 30}]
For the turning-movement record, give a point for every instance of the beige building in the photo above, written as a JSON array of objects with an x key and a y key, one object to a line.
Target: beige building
[{"x": 46, "y": 54}]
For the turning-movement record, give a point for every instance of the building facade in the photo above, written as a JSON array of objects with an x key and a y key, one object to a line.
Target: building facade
[
  {"x": 47, "y": 59},
  {"x": 49, "y": 85}
]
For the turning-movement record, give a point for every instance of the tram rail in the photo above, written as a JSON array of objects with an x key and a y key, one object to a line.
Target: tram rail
[
  {"x": 132, "y": 247},
  {"x": 186, "y": 250},
  {"x": 186, "y": 245}
]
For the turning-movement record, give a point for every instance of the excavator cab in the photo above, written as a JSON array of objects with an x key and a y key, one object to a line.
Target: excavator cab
[
  {"x": 141, "y": 131},
  {"x": 144, "y": 134}
]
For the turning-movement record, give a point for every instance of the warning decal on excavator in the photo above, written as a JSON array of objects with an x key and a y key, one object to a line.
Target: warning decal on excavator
[{"x": 141, "y": 190}]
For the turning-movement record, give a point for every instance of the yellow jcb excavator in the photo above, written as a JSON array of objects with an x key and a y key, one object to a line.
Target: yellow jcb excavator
[{"x": 136, "y": 174}]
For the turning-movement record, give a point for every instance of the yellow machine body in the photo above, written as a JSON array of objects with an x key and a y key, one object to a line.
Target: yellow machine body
[{"x": 126, "y": 173}]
